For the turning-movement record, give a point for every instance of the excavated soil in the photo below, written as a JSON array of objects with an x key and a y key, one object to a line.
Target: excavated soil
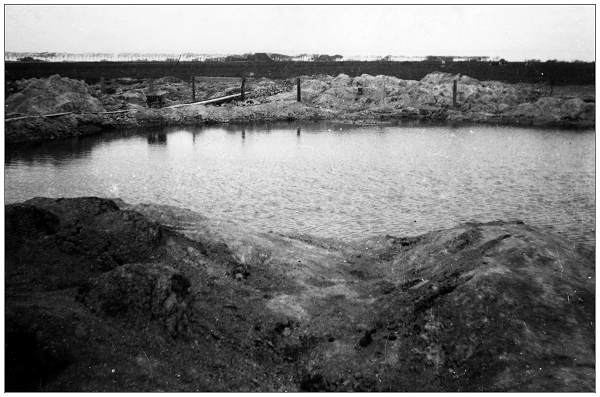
[
  {"x": 106, "y": 296},
  {"x": 362, "y": 99},
  {"x": 52, "y": 95}
]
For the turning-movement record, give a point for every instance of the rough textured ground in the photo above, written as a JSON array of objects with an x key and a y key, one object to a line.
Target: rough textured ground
[
  {"x": 106, "y": 296},
  {"x": 51, "y": 95},
  {"x": 358, "y": 100}
]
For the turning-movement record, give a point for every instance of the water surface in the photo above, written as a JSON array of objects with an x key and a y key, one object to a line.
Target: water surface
[{"x": 330, "y": 180}]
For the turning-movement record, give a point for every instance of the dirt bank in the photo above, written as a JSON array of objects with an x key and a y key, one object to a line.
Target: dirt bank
[
  {"x": 358, "y": 100},
  {"x": 106, "y": 296}
]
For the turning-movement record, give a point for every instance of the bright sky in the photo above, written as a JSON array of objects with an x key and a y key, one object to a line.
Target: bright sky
[{"x": 512, "y": 32}]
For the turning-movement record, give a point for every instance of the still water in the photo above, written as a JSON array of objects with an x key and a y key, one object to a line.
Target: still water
[{"x": 330, "y": 180}]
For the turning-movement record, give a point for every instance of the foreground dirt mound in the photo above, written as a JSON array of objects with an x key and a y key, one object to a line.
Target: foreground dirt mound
[
  {"x": 142, "y": 293},
  {"x": 54, "y": 94},
  {"x": 195, "y": 304},
  {"x": 59, "y": 243},
  {"x": 481, "y": 307}
]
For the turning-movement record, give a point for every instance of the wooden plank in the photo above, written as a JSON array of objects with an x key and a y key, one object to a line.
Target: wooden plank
[
  {"x": 207, "y": 102},
  {"x": 21, "y": 118},
  {"x": 33, "y": 116},
  {"x": 56, "y": 114},
  {"x": 454, "y": 90},
  {"x": 193, "y": 89},
  {"x": 114, "y": 111}
]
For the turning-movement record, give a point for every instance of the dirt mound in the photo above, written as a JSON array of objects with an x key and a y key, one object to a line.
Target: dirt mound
[
  {"x": 25, "y": 222},
  {"x": 556, "y": 109},
  {"x": 52, "y": 95},
  {"x": 447, "y": 78},
  {"x": 476, "y": 307},
  {"x": 34, "y": 352},
  {"x": 136, "y": 97},
  {"x": 494, "y": 307},
  {"x": 354, "y": 99},
  {"x": 168, "y": 80},
  {"x": 265, "y": 87},
  {"x": 170, "y": 300},
  {"x": 141, "y": 293},
  {"x": 70, "y": 210},
  {"x": 61, "y": 242}
]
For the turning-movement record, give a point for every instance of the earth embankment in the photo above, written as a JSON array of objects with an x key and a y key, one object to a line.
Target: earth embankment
[
  {"x": 106, "y": 296},
  {"x": 121, "y": 103}
]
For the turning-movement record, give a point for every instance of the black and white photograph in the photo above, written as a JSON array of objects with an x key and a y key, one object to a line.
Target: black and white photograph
[{"x": 271, "y": 198}]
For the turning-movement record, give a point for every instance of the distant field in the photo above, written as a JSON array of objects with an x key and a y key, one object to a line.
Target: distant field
[{"x": 556, "y": 73}]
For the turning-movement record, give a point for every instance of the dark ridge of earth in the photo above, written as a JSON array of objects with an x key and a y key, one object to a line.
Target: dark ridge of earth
[{"x": 106, "y": 296}]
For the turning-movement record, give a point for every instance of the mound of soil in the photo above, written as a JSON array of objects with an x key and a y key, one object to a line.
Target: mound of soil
[
  {"x": 36, "y": 348},
  {"x": 481, "y": 307},
  {"x": 54, "y": 94},
  {"x": 349, "y": 99},
  {"x": 106, "y": 296},
  {"x": 141, "y": 293},
  {"x": 56, "y": 243},
  {"x": 447, "y": 78}
]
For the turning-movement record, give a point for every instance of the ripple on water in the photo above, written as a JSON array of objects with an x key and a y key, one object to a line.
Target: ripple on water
[{"x": 396, "y": 180}]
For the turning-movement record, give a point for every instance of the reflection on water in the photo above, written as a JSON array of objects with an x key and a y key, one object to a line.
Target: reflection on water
[
  {"x": 327, "y": 179},
  {"x": 157, "y": 138}
]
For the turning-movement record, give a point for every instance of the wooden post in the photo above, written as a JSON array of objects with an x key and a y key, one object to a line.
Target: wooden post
[
  {"x": 243, "y": 133},
  {"x": 298, "y": 131},
  {"x": 454, "y": 89},
  {"x": 193, "y": 88},
  {"x": 299, "y": 94},
  {"x": 151, "y": 86},
  {"x": 102, "y": 85},
  {"x": 243, "y": 94}
]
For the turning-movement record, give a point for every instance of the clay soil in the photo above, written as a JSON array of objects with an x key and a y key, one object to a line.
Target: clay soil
[{"x": 106, "y": 296}]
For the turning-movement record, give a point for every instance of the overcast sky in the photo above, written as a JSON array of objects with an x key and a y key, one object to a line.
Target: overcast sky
[{"x": 511, "y": 32}]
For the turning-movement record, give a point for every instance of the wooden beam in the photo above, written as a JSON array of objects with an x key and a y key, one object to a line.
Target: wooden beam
[
  {"x": 193, "y": 89},
  {"x": 208, "y": 101},
  {"x": 454, "y": 90}
]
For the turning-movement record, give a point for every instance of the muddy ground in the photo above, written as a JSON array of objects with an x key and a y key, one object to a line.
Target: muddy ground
[
  {"x": 106, "y": 296},
  {"x": 359, "y": 100}
]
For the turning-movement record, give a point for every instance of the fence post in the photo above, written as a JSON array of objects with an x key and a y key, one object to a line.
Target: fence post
[
  {"x": 243, "y": 88},
  {"x": 454, "y": 89},
  {"x": 299, "y": 94},
  {"x": 193, "y": 88},
  {"x": 151, "y": 86},
  {"x": 102, "y": 85}
]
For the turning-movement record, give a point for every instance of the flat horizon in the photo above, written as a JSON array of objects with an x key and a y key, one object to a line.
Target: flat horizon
[
  {"x": 543, "y": 32},
  {"x": 346, "y": 57}
]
